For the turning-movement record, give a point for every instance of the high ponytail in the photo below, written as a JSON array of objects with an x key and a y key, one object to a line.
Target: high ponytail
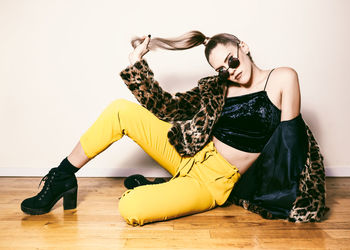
[
  {"x": 185, "y": 41},
  {"x": 190, "y": 40}
]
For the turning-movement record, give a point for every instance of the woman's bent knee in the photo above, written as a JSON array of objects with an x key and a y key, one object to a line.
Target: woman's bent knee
[
  {"x": 123, "y": 107},
  {"x": 121, "y": 103},
  {"x": 130, "y": 210}
]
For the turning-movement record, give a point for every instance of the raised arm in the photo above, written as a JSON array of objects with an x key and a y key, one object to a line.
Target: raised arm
[{"x": 139, "y": 78}]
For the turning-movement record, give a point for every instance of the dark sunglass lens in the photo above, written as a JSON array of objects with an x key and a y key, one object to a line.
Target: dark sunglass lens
[
  {"x": 233, "y": 62},
  {"x": 223, "y": 74}
]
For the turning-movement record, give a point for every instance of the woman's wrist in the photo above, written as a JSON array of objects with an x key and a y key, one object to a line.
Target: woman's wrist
[{"x": 133, "y": 59}]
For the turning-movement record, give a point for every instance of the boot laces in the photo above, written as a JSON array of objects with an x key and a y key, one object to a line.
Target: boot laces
[{"x": 48, "y": 180}]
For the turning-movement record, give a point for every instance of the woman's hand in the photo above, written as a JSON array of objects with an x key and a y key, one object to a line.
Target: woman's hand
[{"x": 139, "y": 51}]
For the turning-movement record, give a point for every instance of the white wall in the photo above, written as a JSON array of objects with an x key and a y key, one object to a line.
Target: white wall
[{"x": 60, "y": 64}]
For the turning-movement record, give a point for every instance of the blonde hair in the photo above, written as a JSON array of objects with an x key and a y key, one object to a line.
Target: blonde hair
[{"x": 189, "y": 40}]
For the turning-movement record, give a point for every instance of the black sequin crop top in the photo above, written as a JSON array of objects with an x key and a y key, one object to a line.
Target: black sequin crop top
[{"x": 247, "y": 121}]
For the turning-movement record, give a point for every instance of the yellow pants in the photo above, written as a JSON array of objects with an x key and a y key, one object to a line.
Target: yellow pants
[{"x": 198, "y": 183}]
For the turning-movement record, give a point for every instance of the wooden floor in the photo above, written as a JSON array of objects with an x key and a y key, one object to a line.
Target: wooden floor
[{"x": 97, "y": 224}]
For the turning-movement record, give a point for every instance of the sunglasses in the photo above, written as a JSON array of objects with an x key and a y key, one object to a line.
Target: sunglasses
[{"x": 233, "y": 62}]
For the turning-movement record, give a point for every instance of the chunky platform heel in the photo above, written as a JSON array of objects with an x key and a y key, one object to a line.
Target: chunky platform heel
[
  {"x": 70, "y": 198},
  {"x": 58, "y": 184}
]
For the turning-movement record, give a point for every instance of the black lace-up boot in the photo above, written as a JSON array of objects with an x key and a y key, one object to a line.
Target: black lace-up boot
[
  {"x": 136, "y": 180},
  {"x": 59, "y": 182}
]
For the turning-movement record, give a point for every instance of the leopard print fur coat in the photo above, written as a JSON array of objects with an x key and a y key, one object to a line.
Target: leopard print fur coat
[{"x": 193, "y": 114}]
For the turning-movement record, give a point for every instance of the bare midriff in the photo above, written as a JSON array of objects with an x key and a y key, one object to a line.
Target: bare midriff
[{"x": 240, "y": 159}]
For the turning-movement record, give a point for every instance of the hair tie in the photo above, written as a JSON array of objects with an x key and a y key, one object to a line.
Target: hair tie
[{"x": 205, "y": 42}]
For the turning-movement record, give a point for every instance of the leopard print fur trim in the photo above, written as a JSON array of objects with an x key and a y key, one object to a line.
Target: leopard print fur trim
[{"x": 310, "y": 204}]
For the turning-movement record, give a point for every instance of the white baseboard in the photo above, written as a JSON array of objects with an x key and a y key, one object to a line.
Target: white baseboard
[
  {"x": 338, "y": 171},
  {"x": 331, "y": 171}
]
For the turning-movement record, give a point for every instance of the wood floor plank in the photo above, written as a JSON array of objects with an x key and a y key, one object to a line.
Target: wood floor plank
[{"x": 180, "y": 243}]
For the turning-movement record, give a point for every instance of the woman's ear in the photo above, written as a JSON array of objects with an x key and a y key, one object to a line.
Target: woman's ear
[{"x": 244, "y": 47}]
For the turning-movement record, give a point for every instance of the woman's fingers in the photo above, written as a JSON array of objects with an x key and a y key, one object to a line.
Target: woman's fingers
[
  {"x": 144, "y": 45},
  {"x": 146, "y": 41},
  {"x": 140, "y": 50}
]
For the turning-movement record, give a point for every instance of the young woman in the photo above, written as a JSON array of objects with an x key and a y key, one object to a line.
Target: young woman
[{"x": 256, "y": 101}]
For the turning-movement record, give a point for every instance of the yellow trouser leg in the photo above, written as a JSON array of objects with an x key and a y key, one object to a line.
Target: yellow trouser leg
[
  {"x": 178, "y": 197},
  {"x": 207, "y": 180},
  {"x": 207, "y": 184},
  {"x": 122, "y": 117}
]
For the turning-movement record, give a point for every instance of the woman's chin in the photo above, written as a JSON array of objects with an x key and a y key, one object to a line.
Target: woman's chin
[
  {"x": 231, "y": 79},
  {"x": 235, "y": 81}
]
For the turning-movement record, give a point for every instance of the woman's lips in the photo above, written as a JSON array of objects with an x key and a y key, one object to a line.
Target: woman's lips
[{"x": 238, "y": 76}]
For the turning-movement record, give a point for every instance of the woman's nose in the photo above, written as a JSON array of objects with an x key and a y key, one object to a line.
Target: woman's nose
[{"x": 231, "y": 71}]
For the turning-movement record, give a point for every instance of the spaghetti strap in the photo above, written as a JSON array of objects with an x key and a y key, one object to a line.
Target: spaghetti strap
[{"x": 268, "y": 78}]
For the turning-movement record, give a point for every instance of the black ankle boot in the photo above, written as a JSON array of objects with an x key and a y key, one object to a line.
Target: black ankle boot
[
  {"x": 136, "y": 180},
  {"x": 58, "y": 184}
]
